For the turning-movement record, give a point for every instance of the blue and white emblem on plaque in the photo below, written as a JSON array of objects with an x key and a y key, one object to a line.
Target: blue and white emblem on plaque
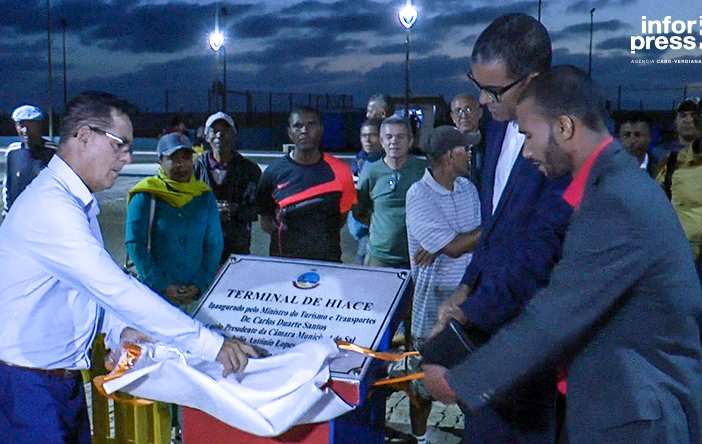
[{"x": 307, "y": 281}]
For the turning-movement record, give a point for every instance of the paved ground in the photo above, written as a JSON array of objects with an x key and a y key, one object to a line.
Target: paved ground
[{"x": 446, "y": 423}]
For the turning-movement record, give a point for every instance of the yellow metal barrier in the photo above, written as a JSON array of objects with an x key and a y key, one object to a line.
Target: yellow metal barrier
[{"x": 130, "y": 425}]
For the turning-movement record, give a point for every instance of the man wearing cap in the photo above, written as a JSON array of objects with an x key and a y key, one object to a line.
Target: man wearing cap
[
  {"x": 173, "y": 233},
  {"x": 443, "y": 228},
  {"x": 24, "y": 159},
  {"x": 303, "y": 197},
  {"x": 59, "y": 287},
  {"x": 233, "y": 179}
]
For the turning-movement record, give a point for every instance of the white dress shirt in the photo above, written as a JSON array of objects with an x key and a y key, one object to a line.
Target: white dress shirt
[
  {"x": 59, "y": 287},
  {"x": 511, "y": 147},
  {"x": 644, "y": 164}
]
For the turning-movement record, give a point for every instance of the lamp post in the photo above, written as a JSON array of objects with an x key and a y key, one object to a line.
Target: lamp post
[
  {"x": 407, "y": 16},
  {"x": 589, "y": 61},
  {"x": 51, "y": 89},
  {"x": 64, "y": 24},
  {"x": 217, "y": 43}
]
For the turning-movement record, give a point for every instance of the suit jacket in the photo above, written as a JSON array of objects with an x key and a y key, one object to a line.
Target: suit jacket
[
  {"x": 623, "y": 307},
  {"x": 520, "y": 242},
  {"x": 519, "y": 245}
]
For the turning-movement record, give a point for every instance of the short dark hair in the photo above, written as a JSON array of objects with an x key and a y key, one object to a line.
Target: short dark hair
[
  {"x": 567, "y": 91},
  {"x": 375, "y": 123},
  {"x": 397, "y": 120},
  {"x": 635, "y": 117},
  {"x": 387, "y": 102},
  {"x": 304, "y": 110},
  {"x": 518, "y": 40},
  {"x": 92, "y": 108}
]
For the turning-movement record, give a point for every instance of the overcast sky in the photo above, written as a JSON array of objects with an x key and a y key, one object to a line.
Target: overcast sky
[{"x": 141, "y": 49}]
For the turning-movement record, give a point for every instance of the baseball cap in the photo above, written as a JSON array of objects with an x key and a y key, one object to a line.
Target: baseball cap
[
  {"x": 170, "y": 143},
  {"x": 687, "y": 105},
  {"x": 27, "y": 112},
  {"x": 219, "y": 115},
  {"x": 443, "y": 139}
]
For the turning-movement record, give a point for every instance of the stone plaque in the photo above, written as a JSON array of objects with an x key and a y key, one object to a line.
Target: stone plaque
[{"x": 277, "y": 303}]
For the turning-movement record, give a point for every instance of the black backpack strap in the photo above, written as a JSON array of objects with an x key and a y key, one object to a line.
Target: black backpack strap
[{"x": 669, "y": 170}]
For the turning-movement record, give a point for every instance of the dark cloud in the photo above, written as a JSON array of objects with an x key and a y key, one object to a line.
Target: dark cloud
[
  {"x": 584, "y": 28},
  {"x": 264, "y": 25},
  {"x": 121, "y": 25},
  {"x": 300, "y": 45},
  {"x": 622, "y": 43},
  {"x": 418, "y": 47},
  {"x": 477, "y": 16},
  {"x": 587, "y": 5}
]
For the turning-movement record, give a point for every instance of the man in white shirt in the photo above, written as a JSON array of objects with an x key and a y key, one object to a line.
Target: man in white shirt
[{"x": 59, "y": 287}]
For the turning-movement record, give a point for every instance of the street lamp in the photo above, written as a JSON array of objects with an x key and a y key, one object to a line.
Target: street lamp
[
  {"x": 51, "y": 87},
  {"x": 589, "y": 61},
  {"x": 217, "y": 43},
  {"x": 64, "y": 24},
  {"x": 407, "y": 16}
]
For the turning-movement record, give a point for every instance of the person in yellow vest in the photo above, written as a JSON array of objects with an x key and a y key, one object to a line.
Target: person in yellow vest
[{"x": 681, "y": 174}]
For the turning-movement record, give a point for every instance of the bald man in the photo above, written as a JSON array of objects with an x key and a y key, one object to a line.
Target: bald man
[{"x": 466, "y": 113}]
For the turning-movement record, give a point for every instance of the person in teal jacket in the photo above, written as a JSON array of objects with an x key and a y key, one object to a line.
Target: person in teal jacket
[{"x": 174, "y": 234}]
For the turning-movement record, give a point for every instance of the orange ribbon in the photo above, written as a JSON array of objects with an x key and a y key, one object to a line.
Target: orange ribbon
[
  {"x": 394, "y": 357},
  {"x": 133, "y": 352}
]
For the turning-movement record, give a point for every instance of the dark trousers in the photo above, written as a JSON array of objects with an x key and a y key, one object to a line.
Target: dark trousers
[
  {"x": 40, "y": 408},
  {"x": 487, "y": 426}
]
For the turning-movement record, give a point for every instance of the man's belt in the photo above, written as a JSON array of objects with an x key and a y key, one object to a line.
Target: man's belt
[{"x": 58, "y": 373}]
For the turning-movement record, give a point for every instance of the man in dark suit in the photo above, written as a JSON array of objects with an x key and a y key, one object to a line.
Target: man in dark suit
[
  {"x": 524, "y": 222},
  {"x": 623, "y": 308}
]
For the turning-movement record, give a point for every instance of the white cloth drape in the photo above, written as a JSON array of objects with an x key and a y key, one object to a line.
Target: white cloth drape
[{"x": 272, "y": 395}]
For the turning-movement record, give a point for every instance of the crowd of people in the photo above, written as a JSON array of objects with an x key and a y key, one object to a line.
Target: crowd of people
[{"x": 563, "y": 253}]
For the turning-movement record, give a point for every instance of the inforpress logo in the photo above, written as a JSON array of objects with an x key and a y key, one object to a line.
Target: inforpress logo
[{"x": 657, "y": 34}]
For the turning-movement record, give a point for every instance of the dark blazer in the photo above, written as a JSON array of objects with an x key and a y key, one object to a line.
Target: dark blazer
[
  {"x": 623, "y": 307},
  {"x": 520, "y": 243}
]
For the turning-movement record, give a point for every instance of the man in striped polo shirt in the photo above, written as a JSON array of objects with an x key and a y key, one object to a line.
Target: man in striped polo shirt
[{"x": 443, "y": 228}]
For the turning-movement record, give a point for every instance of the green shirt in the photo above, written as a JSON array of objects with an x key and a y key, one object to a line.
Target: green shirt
[{"x": 388, "y": 233}]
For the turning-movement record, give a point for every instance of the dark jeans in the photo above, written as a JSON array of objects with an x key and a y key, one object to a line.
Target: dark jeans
[{"x": 39, "y": 408}]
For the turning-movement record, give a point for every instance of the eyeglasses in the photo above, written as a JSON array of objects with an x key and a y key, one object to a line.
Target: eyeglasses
[
  {"x": 495, "y": 93},
  {"x": 122, "y": 146},
  {"x": 392, "y": 183},
  {"x": 460, "y": 113}
]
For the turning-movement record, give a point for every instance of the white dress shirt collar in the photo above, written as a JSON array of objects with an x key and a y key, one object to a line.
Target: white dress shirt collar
[
  {"x": 511, "y": 148},
  {"x": 75, "y": 185}
]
